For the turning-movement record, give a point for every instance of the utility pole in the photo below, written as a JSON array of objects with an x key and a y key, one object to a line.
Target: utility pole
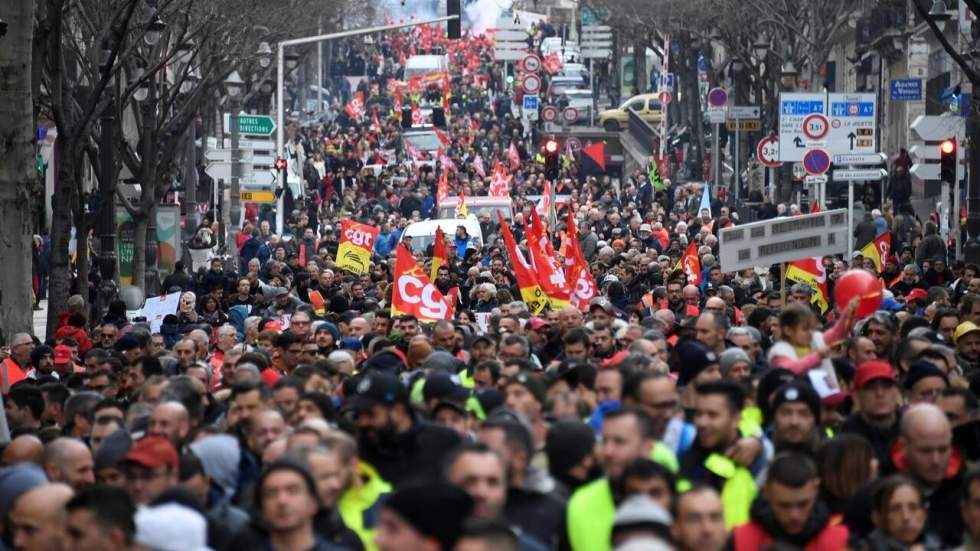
[
  {"x": 106, "y": 218},
  {"x": 319, "y": 68}
]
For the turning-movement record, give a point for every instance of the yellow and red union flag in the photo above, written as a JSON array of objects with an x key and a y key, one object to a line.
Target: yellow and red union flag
[
  {"x": 442, "y": 188},
  {"x": 690, "y": 264},
  {"x": 878, "y": 249},
  {"x": 415, "y": 294},
  {"x": 812, "y": 272},
  {"x": 356, "y": 244},
  {"x": 440, "y": 257},
  {"x": 527, "y": 280},
  {"x": 577, "y": 272},
  {"x": 551, "y": 277}
]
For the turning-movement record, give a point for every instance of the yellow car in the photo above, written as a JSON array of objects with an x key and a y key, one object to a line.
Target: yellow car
[{"x": 645, "y": 105}]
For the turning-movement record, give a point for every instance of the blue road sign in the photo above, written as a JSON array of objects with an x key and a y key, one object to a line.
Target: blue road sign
[
  {"x": 906, "y": 89},
  {"x": 801, "y": 107},
  {"x": 852, "y": 109},
  {"x": 530, "y": 103}
]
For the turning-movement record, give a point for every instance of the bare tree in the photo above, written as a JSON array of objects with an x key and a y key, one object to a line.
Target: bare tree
[{"x": 18, "y": 174}]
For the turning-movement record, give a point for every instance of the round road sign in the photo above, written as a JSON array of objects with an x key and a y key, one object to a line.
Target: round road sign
[
  {"x": 574, "y": 143},
  {"x": 665, "y": 97},
  {"x": 569, "y": 115},
  {"x": 815, "y": 126},
  {"x": 531, "y": 63},
  {"x": 768, "y": 151},
  {"x": 717, "y": 97},
  {"x": 816, "y": 162},
  {"x": 798, "y": 171},
  {"x": 531, "y": 83},
  {"x": 549, "y": 113}
]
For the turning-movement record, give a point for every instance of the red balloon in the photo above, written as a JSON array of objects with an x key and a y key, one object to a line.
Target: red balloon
[{"x": 861, "y": 284}]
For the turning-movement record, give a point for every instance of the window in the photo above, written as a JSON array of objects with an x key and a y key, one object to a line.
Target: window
[{"x": 636, "y": 105}]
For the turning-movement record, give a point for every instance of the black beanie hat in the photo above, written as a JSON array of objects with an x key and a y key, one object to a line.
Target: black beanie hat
[
  {"x": 921, "y": 369},
  {"x": 435, "y": 510},
  {"x": 693, "y": 358},
  {"x": 773, "y": 379},
  {"x": 797, "y": 391},
  {"x": 567, "y": 444}
]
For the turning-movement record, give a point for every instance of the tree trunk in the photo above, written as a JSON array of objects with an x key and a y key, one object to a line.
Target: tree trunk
[
  {"x": 17, "y": 171},
  {"x": 59, "y": 282}
]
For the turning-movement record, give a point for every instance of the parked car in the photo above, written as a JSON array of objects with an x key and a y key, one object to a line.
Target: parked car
[{"x": 647, "y": 106}]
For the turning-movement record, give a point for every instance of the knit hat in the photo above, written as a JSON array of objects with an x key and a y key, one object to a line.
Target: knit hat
[
  {"x": 386, "y": 361},
  {"x": 16, "y": 481},
  {"x": 533, "y": 384},
  {"x": 434, "y": 510},
  {"x": 797, "y": 391},
  {"x": 567, "y": 444},
  {"x": 693, "y": 358},
  {"x": 39, "y": 352},
  {"x": 126, "y": 342},
  {"x": 113, "y": 449},
  {"x": 730, "y": 357},
  {"x": 773, "y": 379},
  {"x": 922, "y": 369}
]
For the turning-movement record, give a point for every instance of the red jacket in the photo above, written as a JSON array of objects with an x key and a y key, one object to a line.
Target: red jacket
[{"x": 753, "y": 537}]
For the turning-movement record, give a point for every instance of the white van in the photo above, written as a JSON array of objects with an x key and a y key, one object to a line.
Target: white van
[
  {"x": 423, "y": 233},
  {"x": 420, "y": 65}
]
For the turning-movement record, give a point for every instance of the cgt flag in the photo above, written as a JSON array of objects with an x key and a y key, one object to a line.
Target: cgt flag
[
  {"x": 812, "y": 272},
  {"x": 577, "y": 269},
  {"x": 527, "y": 279},
  {"x": 356, "y": 244},
  {"x": 878, "y": 249},
  {"x": 440, "y": 257},
  {"x": 690, "y": 264},
  {"x": 415, "y": 294},
  {"x": 355, "y": 107}
]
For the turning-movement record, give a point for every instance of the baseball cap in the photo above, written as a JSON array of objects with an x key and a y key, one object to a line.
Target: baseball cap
[
  {"x": 152, "y": 452},
  {"x": 378, "y": 388},
  {"x": 535, "y": 324},
  {"x": 62, "y": 354},
  {"x": 351, "y": 343},
  {"x": 963, "y": 329},
  {"x": 872, "y": 370},
  {"x": 916, "y": 294}
]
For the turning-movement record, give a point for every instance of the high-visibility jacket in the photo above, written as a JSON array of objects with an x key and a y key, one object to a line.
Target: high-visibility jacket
[
  {"x": 360, "y": 506},
  {"x": 590, "y": 515},
  {"x": 737, "y": 491},
  {"x": 11, "y": 374}
]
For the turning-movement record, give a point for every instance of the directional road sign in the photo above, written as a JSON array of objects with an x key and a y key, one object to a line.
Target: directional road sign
[
  {"x": 248, "y": 178},
  {"x": 743, "y": 112},
  {"x": 246, "y": 156},
  {"x": 251, "y": 125},
  {"x": 596, "y": 41},
  {"x": 861, "y": 158},
  {"x": 767, "y": 151},
  {"x": 934, "y": 128},
  {"x": 816, "y": 161},
  {"x": 257, "y": 145},
  {"x": 794, "y": 108},
  {"x": 853, "y": 123},
  {"x": 860, "y": 174},
  {"x": 930, "y": 171},
  {"x": 596, "y": 53},
  {"x": 510, "y": 36},
  {"x": 258, "y": 197},
  {"x": 510, "y": 40}
]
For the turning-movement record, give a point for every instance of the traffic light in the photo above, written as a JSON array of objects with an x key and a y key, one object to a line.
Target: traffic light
[
  {"x": 947, "y": 160},
  {"x": 551, "y": 165},
  {"x": 453, "y": 26}
]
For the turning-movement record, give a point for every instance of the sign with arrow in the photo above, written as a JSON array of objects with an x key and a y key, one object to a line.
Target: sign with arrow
[
  {"x": 860, "y": 174},
  {"x": 794, "y": 109},
  {"x": 853, "y": 121},
  {"x": 861, "y": 159},
  {"x": 251, "y": 125}
]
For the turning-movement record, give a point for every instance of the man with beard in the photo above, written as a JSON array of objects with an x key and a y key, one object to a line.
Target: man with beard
[
  {"x": 876, "y": 397},
  {"x": 627, "y": 435},
  {"x": 443, "y": 281},
  {"x": 676, "y": 302},
  {"x": 796, "y": 417},
  {"x": 603, "y": 343},
  {"x": 392, "y": 439}
]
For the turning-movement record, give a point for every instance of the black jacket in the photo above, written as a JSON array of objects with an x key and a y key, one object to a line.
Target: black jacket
[
  {"x": 881, "y": 440},
  {"x": 415, "y": 456}
]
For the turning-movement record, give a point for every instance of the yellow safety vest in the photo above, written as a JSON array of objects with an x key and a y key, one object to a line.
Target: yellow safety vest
[
  {"x": 737, "y": 493},
  {"x": 359, "y": 507}
]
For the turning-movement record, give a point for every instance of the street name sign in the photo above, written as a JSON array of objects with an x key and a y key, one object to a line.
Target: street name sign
[
  {"x": 251, "y": 125},
  {"x": 860, "y": 159},
  {"x": 783, "y": 240},
  {"x": 859, "y": 174}
]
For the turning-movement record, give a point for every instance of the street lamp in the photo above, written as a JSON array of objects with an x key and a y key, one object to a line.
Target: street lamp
[
  {"x": 787, "y": 75},
  {"x": 154, "y": 30},
  {"x": 939, "y": 14},
  {"x": 143, "y": 90},
  {"x": 184, "y": 52},
  {"x": 264, "y": 53},
  {"x": 761, "y": 46},
  {"x": 190, "y": 81},
  {"x": 234, "y": 85},
  {"x": 235, "y": 88}
]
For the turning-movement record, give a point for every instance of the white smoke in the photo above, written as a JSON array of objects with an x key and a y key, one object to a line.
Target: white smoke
[{"x": 483, "y": 14}]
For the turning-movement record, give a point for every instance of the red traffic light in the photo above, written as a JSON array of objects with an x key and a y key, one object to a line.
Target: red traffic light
[
  {"x": 551, "y": 147},
  {"x": 280, "y": 164},
  {"x": 947, "y": 147}
]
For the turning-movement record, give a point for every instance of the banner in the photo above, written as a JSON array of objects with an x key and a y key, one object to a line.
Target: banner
[
  {"x": 551, "y": 277},
  {"x": 499, "y": 181},
  {"x": 355, "y": 107},
  {"x": 532, "y": 293},
  {"x": 878, "y": 249},
  {"x": 356, "y": 244},
  {"x": 577, "y": 272},
  {"x": 414, "y": 293}
]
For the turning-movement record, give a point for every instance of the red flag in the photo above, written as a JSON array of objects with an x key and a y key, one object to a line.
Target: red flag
[
  {"x": 478, "y": 166},
  {"x": 514, "y": 156},
  {"x": 442, "y": 188},
  {"x": 527, "y": 279},
  {"x": 499, "y": 181},
  {"x": 355, "y": 107},
  {"x": 812, "y": 272},
  {"x": 577, "y": 272},
  {"x": 690, "y": 263},
  {"x": 552, "y": 63},
  {"x": 878, "y": 249},
  {"x": 417, "y": 118},
  {"x": 375, "y": 123},
  {"x": 414, "y": 293},
  {"x": 447, "y": 163},
  {"x": 439, "y": 255},
  {"x": 413, "y": 152},
  {"x": 593, "y": 158},
  {"x": 443, "y": 138}
]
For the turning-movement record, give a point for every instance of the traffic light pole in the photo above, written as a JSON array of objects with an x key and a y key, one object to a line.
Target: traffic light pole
[{"x": 281, "y": 87}]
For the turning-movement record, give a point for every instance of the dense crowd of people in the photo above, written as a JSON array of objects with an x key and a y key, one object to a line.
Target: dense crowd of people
[{"x": 283, "y": 406}]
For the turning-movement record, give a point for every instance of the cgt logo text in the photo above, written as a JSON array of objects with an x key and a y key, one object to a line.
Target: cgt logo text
[{"x": 425, "y": 296}]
